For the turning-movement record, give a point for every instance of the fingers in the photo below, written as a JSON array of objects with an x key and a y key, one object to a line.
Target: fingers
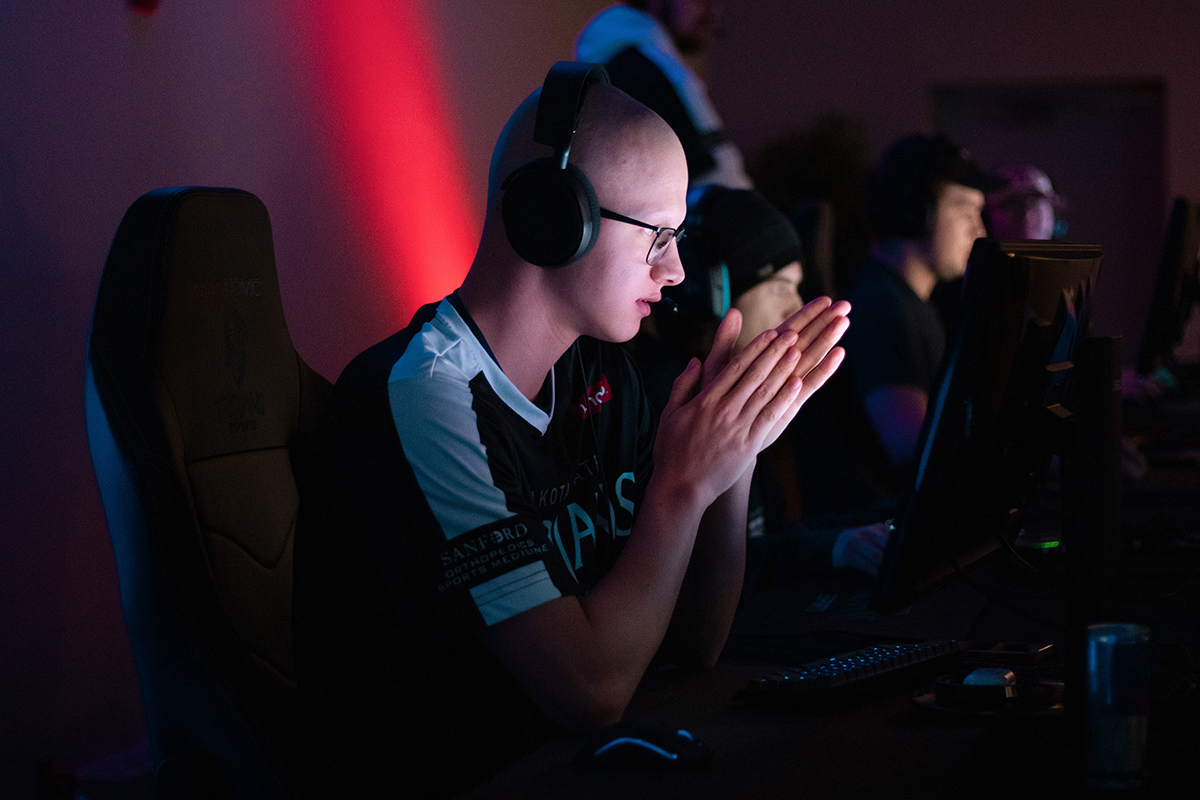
[
  {"x": 764, "y": 385},
  {"x": 686, "y": 384},
  {"x": 807, "y": 313},
  {"x": 822, "y": 332},
  {"x": 723, "y": 376},
  {"x": 752, "y": 393},
  {"x": 861, "y": 548},
  {"x": 778, "y": 412},
  {"x": 816, "y": 328},
  {"x": 816, "y": 377},
  {"x": 768, "y": 389},
  {"x": 706, "y": 432},
  {"x": 822, "y": 325},
  {"x": 727, "y": 331},
  {"x": 837, "y": 312},
  {"x": 757, "y": 373},
  {"x": 771, "y": 394},
  {"x": 723, "y": 344},
  {"x": 821, "y": 336},
  {"x": 813, "y": 317}
]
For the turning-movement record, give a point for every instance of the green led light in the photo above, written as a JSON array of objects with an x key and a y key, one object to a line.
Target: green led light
[{"x": 1045, "y": 545}]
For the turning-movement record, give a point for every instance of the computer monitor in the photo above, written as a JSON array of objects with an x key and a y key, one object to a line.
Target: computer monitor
[
  {"x": 1176, "y": 288},
  {"x": 1003, "y": 396}
]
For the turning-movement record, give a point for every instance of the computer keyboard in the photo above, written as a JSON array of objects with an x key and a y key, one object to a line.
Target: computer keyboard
[{"x": 829, "y": 681}]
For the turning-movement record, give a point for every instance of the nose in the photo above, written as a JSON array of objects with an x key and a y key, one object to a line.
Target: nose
[
  {"x": 980, "y": 228},
  {"x": 669, "y": 268}
]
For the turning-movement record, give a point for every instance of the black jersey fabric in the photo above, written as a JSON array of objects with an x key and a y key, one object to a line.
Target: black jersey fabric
[
  {"x": 448, "y": 502},
  {"x": 896, "y": 338}
]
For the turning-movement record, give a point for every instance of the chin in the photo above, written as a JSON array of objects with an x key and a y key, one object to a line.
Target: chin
[
  {"x": 615, "y": 335},
  {"x": 625, "y": 336},
  {"x": 948, "y": 274}
]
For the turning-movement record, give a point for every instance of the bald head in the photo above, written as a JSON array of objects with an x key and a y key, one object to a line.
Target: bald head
[
  {"x": 615, "y": 135},
  {"x": 637, "y": 168}
]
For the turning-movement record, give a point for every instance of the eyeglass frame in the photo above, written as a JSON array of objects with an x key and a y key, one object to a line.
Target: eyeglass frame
[{"x": 674, "y": 233}]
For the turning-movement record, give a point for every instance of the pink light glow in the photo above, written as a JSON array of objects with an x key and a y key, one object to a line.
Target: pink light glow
[{"x": 396, "y": 145}]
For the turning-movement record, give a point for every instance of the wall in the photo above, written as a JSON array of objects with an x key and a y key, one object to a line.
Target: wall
[
  {"x": 98, "y": 104},
  {"x": 879, "y": 62}
]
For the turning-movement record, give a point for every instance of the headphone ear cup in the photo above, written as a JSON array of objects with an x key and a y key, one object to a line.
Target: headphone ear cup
[
  {"x": 551, "y": 215},
  {"x": 909, "y": 213},
  {"x": 928, "y": 211}
]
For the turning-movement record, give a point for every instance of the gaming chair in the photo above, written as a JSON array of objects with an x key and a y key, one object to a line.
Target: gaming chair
[{"x": 199, "y": 410}]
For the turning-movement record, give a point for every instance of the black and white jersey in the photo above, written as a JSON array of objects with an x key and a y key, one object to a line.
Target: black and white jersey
[
  {"x": 526, "y": 503},
  {"x": 446, "y": 501}
]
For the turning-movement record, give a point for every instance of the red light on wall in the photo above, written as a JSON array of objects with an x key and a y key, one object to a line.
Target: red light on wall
[
  {"x": 381, "y": 82},
  {"x": 143, "y": 6}
]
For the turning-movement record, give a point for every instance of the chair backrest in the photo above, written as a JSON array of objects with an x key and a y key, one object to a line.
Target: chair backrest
[{"x": 199, "y": 411}]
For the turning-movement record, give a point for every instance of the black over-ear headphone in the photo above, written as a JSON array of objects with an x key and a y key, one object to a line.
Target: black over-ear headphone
[
  {"x": 704, "y": 292},
  {"x": 904, "y": 204},
  {"x": 550, "y": 211}
]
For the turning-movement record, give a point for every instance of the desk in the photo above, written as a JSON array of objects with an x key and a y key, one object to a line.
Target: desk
[
  {"x": 885, "y": 748},
  {"x": 758, "y": 753}
]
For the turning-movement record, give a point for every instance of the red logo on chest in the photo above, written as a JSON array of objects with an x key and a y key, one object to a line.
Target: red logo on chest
[{"x": 590, "y": 401}]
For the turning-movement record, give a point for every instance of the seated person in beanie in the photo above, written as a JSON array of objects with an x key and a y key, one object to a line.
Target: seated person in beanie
[
  {"x": 925, "y": 198},
  {"x": 742, "y": 253},
  {"x": 499, "y": 542}
]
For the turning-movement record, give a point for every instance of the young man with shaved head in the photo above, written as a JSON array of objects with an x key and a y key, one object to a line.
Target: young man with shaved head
[{"x": 500, "y": 542}]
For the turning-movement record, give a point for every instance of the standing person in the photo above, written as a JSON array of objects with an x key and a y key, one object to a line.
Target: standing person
[
  {"x": 643, "y": 45},
  {"x": 500, "y": 541}
]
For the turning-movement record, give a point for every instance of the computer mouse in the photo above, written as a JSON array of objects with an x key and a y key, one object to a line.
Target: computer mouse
[
  {"x": 645, "y": 744},
  {"x": 990, "y": 676}
]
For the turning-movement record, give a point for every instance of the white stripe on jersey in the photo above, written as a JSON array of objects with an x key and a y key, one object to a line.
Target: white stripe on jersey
[
  {"x": 514, "y": 592},
  {"x": 443, "y": 447}
]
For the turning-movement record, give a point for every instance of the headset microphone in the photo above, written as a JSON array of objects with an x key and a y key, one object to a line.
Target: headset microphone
[{"x": 671, "y": 305}]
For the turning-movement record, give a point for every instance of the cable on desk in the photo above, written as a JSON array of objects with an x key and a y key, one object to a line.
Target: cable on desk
[{"x": 1028, "y": 613}]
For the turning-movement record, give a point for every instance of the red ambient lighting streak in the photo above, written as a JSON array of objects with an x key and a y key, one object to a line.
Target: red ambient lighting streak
[{"x": 395, "y": 142}]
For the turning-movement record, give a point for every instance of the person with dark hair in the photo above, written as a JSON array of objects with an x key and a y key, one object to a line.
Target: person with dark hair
[
  {"x": 643, "y": 45},
  {"x": 742, "y": 253},
  {"x": 925, "y": 199},
  {"x": 501, "y": 536}
]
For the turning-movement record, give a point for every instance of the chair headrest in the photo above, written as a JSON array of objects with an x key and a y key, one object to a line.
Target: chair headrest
[{"x": 189, "y": 310}]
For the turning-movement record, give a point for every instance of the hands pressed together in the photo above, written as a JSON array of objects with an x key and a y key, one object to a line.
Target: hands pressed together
[{"x": 724, "y": 412}]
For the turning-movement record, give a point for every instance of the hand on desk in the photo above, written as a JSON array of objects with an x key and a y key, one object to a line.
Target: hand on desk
[{"x": 861, "y": 548}]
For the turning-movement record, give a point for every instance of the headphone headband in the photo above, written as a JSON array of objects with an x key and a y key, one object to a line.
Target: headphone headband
[{"x": 561, "y": 103}]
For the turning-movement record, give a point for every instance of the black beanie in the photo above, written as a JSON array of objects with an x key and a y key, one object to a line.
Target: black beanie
[{"x": 741, "y": 229}]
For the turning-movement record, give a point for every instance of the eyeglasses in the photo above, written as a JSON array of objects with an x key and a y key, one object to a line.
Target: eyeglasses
[{"x": 662, "y": 236}]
